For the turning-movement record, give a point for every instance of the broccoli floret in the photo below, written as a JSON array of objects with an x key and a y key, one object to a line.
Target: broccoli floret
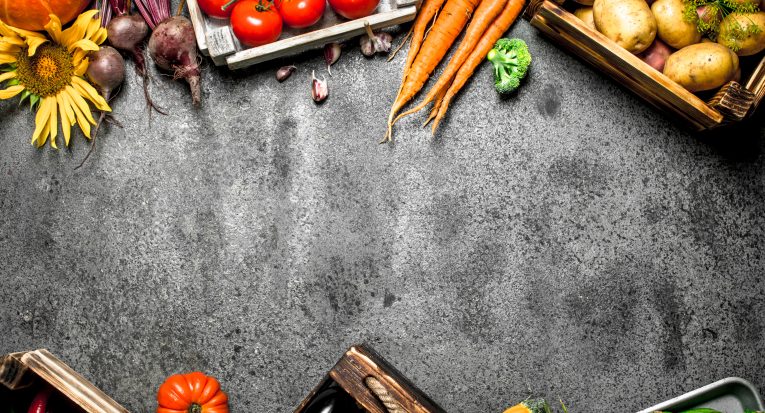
[{"x": 511, "y": 60}]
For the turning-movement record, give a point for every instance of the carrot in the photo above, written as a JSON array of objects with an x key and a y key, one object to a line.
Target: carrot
[
  {"x": 426, "y": 14},
  {"x": 445, "y": 30},
  {"x": 483, "y": 17},
  {"x": 436, "y": 104},
  {"x": 493, "y": 33}
]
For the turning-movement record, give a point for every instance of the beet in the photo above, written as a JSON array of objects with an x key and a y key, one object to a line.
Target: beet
[
  {"x": 106, "y": 70},
  {"x": 127, "y": 33},
  {"x": 173, "y": 47}
]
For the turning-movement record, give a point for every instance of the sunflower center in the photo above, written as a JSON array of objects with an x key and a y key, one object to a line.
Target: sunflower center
[{"x": 47, "y": 72}]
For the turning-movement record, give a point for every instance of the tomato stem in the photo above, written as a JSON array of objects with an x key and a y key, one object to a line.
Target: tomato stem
[
  {"x": 195, "y": 408},
  {"x": 227, "y": 5}
]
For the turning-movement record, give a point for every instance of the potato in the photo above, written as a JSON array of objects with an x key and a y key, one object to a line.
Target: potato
[
  {"x": 585, "y": 14},
  {"x": 629, "y": 23},
  {"x": 671, "y": 25},
  {"x": 656, "y": 54},
  {"x": 701, "y": 66},
  {"x": 743, "y": 33}
]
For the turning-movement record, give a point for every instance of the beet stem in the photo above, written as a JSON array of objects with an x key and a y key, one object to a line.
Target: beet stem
[
  {"x": 93, "y": 139},
  {"x": 196, "y": 90}
]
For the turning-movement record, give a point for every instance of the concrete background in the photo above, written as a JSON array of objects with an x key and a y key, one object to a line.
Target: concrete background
[{"x": 568, "y": 241}]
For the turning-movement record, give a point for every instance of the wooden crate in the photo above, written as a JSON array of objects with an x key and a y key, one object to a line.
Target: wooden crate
[
  {"x": 732, "y": 103},
  {"x": 19, "y": 371},
  {"x": 360, "y": 363},
  {"x": 215, "y": 38}
]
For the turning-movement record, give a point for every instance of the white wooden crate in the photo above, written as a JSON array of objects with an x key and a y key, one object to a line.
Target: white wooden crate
[{"x": 215, "y": 38}]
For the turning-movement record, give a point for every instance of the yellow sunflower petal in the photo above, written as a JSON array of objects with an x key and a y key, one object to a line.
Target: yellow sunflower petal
[
  {"x": 66, "y": 124},
  {"x": 83, "y": 44},
  {"x": 11, "y": 92},
  {"x": 78, "y": 28},
  {"x": 18, "y": 41},
  {"x": 41, "y": 121},
  {"x": 81, "y": 67},
  {"x": 34, "y": 43},
  {"x": 67, "y": 103},
  {"x": 10, "y": 48},
  {"x": 8, "y": 58},
  {"x": 100, "y": 36},
  {"x": 54, "y": 28},
  {"x": 53, "y": 121},
  {"x": 7, "y": 31},
  {"x": 90, "y": 93},
  {"x": 83, "y": 116},
  {"x": 7, "y": 75},
  {"x": 94, "y": 27},
  {"x": 43, "y": 136}
]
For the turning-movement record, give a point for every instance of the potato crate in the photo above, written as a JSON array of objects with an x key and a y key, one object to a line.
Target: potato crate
[
  {"x": 732, "y": 103},
  {"x": 373, "y": 384},
  {"x": 215, "y": 38},
  {"x": 22, "y": 375}
]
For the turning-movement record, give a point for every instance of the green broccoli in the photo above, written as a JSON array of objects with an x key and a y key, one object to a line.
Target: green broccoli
[{"x": 511, "y": 60}]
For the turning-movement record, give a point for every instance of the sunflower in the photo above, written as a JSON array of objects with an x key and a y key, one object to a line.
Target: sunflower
[{"x": 49, "y": 72}]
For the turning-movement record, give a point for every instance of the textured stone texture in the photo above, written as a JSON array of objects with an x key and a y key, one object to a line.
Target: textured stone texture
[{"x": 568, "y": 241}]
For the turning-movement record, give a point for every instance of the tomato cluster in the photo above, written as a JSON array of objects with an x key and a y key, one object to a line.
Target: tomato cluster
[{"x": 259, "y": 22}]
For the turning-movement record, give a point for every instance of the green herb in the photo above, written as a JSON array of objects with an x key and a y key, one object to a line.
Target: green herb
[{"x": 708, "y": 15}]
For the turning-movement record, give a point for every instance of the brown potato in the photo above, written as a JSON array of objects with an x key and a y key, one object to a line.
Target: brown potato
[
  {"x": 672, "y": 27},
  {"x": 743, "y": 33},
  {"x": 585, "y": 14},
  {"x": 629, "y": 23},
  {"x": 701, "y": 66}
]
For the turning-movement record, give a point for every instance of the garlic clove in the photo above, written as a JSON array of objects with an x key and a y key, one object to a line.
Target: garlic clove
[
  {"x": 319, "y": 88},
  {"x": 331, "y": 54},
  {"x": 285, "y": 72}
]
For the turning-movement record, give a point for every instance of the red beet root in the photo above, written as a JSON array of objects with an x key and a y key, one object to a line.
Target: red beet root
[{"x": 173, "y": 47}]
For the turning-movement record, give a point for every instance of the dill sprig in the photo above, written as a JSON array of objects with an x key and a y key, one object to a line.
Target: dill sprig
[{"x": 708, "y": 16}]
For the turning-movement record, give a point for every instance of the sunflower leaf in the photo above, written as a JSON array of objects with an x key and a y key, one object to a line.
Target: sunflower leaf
[
  {"x": 12, "y": 82},
  {"x": 24, "y": 95},
  {"x": 33, "y": 100}
]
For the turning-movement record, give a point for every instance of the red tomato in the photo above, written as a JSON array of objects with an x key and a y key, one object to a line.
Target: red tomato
[
  {"x": 354, "y": 9},
  {"x": 215, "y": 8},
  {"x": 301, "y": 13},
  {"x": 256, "y": 22}
]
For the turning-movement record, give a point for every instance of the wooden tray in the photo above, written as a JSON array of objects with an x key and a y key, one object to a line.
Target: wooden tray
[
  {"x": 732, "y": 103},
  {"x": 215, "y": 38},
  {"x": 20, "y": 370},
  {"x": 352, "y": 370}
]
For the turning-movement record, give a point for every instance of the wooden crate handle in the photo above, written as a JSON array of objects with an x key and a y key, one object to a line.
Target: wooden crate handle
[{"x": 733, "y": 101}]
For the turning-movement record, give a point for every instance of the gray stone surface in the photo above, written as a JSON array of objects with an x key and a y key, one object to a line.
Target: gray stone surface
[{"x": 568, "y": 241}]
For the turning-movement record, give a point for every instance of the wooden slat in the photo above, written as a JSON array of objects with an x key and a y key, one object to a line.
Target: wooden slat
[
  {"x": 13, "y": 373},
  {"x": 198, "y": 21},
  {"x": 623, "y": 66},
  {"x": 319, "y": 38},
  {"x": 756, "y": 85},
  {"x": 70, "y": 383}
]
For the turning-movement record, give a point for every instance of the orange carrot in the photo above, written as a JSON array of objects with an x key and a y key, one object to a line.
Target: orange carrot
[
  {"x": 436, "y": 104},
  {"x": 448, "y": 25},
  {"x": 425, "y": 15},
  {"x": 483, "y": 17},
  {"x": 493, "y": 33}
]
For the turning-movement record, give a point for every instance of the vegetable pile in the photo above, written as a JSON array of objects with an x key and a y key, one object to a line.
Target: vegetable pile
[
  {"x": 259, "y": 22},
  {"x": 490, "y": 19},
  {"x": 696, "y": 43}
]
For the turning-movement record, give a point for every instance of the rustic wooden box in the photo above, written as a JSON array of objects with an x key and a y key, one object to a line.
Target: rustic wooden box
[
  {"x": 21, "y": 372},
  {"x": 215, "y": 38},
  {"x": 353, "y": 370},
  {"x": 732, "y": 103}
]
